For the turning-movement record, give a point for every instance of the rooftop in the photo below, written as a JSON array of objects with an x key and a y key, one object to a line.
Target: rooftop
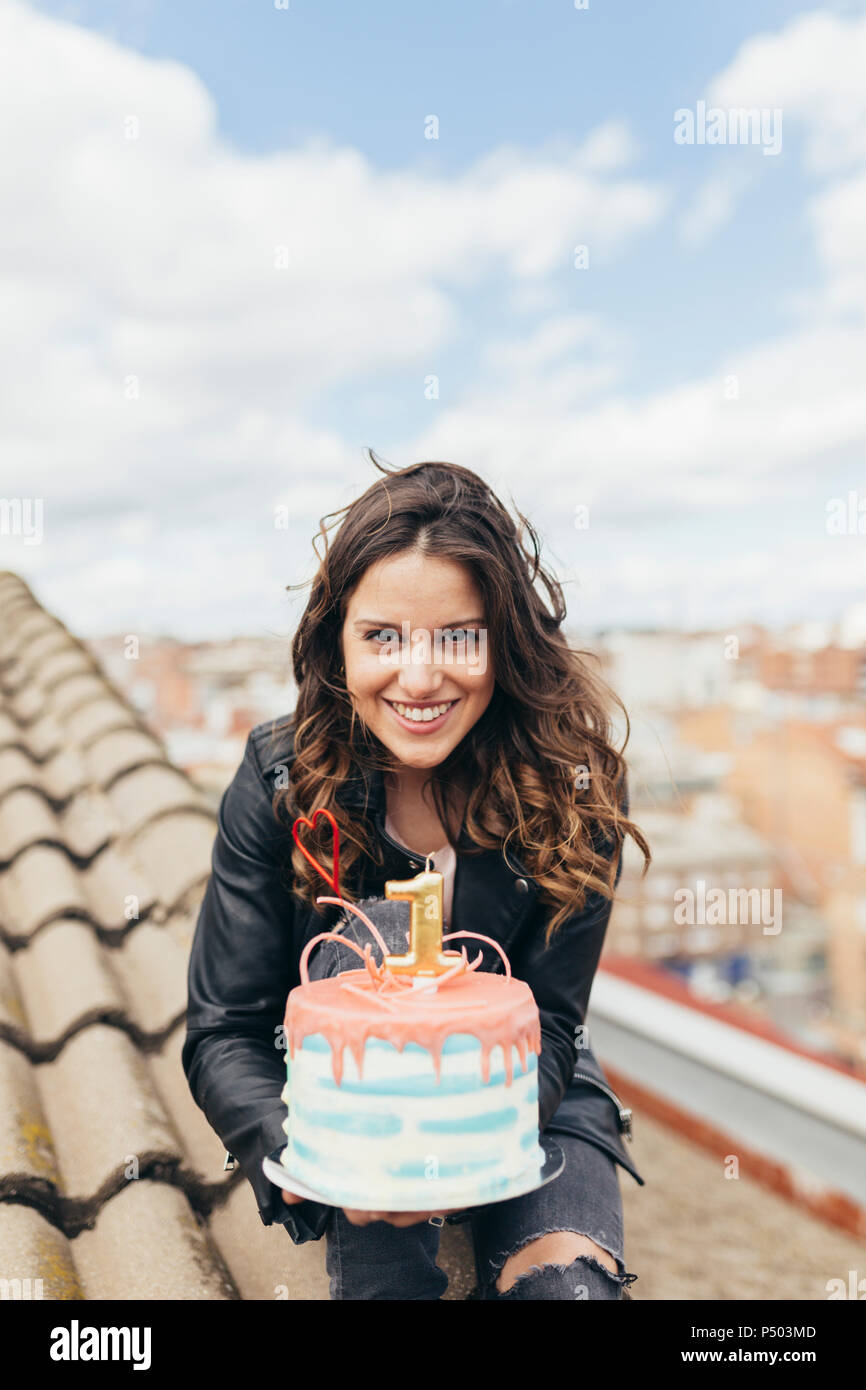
[{"x": 111, "y": 1181}]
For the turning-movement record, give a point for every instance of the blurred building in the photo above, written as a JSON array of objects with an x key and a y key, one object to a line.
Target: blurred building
[
  {"x": 803, "y": 787},
  {"x": 746, "y": 768},
  {"x": 203, "y": 698}
]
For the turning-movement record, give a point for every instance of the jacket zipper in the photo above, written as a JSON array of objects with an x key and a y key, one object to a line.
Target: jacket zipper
[{"x": 625, "y": 1114}]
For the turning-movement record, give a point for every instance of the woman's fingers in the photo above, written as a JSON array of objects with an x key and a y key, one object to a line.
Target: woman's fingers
[
  {"x": 410, "y": 1218},
  {"x": 394, "y": 1218},
  {"x": 291, "y": 1197},
  {"x": 363, "y": 1218}
]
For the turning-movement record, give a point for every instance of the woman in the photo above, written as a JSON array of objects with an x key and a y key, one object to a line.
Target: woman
[{"x": 439, "y": 710}]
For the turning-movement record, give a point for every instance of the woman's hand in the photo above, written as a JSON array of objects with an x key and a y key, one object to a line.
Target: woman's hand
[
  {"x": 394, "y": 1218},
  {"x": 292, "y": 1197}
]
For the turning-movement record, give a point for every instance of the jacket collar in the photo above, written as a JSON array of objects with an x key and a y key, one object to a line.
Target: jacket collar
[{"x": 492, "y": 895}]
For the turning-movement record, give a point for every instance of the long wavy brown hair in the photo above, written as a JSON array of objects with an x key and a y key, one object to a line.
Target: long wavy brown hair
[{"x": 544, "y": 777}]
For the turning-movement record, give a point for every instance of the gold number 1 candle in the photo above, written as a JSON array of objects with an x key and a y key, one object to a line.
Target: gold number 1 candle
[{"x": 425, "y": 955}]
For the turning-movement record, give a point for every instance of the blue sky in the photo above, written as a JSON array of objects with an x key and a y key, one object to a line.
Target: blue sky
[
  {"x": 508, "y": 73},
  {"x": 411, "y": 257}
]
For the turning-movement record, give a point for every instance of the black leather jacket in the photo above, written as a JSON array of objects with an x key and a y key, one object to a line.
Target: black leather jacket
[{"x": 245, "y": 954}]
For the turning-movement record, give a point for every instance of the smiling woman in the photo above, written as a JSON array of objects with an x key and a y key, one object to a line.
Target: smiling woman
[
  {"x": 440, "y": 708},
  {"x": 427, "y": 654}
]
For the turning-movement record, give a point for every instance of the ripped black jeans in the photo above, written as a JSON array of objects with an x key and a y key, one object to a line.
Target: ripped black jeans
[{"x": 381, "y": 1261}]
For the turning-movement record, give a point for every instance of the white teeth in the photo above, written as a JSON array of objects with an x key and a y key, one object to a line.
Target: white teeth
[{"x": 421, "y": 716}]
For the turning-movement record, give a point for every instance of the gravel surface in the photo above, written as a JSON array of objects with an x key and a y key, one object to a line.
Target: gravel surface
[{"x": 690, "y": 1232}]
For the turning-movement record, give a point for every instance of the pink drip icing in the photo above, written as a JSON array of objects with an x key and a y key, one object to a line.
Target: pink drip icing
[
  {"x": 510, "y": 1013},
  {"x": 499, "y": 1012}
]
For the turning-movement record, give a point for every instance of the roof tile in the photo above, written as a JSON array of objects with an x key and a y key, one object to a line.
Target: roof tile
[
  {"x": 64, "y": 978},
  {"x": 151, "y": 968},
  {"x": 88, "y": 823},
  {"x": 63, "y": 774},
  {"x": 117, "y": 890},
  {"x": 13, "y": 1020},
  {"x": 60, "y": 663},
  {"x": 34, "y": 1250},
  {"x": 25, "y": 817},
  {"x": 96, "y": 718},
  {"x": 148, "y": 1244},
  {"x": 118, "y": 751},
  {"x": 142, "y": 795},
  {"x": 40, "y": 885},
  {"x": 16, "y": 770},
  {"x": 264, "y": 1262},
  {"x": 26, "y": 705},
  {"x": 28, "y": 1163},
  {"x": 78, "y": 692},
  {"x": 202, "y": 1147},
  {"x": 10, "y": 733},
  {"x": 43, "y": 737},
  {"x": 104, "y": 1114},
  {"x": 176, "y": 852}
]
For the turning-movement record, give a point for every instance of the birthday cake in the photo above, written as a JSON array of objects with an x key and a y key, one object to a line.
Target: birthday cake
[
  {"x": 412, "y": 1082},
  {"x": 413, "y": 1102}
]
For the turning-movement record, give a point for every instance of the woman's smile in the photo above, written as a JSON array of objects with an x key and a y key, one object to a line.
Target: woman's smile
[
  {"x": 417, "y": 692},
  {"x": 421, "y": 718}
]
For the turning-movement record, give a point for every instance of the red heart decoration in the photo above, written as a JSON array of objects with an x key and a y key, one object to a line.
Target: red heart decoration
[{"x": 302, "y": 820}]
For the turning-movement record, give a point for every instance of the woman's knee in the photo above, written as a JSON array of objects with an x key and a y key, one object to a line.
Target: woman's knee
[
  {"x": 562, "y": 1265},
  {"x": 557, "y": 1247}
]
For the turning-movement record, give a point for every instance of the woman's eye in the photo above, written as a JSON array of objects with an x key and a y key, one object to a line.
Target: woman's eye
[{"x": 459, "y": 636}]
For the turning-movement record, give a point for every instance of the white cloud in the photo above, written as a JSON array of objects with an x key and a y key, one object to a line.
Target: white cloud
[
  {"x": 552, "y": 339},
  {"x": 714, "y": 205},
  {"x": 838, "y": 217},
  {"x": 145, "y": 266},
  {"x": 153, "y": 258},
  {"x": 800, "y": 404},
  {"x": 609, "y": 146},
  {"x": 799, "y": 397},
  {"x": 813, "y": 69}
]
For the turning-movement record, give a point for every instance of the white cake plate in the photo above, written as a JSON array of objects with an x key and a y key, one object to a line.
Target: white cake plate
[{"x": 527, "y": 1181}]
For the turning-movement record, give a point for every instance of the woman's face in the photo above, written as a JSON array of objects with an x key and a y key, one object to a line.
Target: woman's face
[{"x": 400, "y": 663}]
